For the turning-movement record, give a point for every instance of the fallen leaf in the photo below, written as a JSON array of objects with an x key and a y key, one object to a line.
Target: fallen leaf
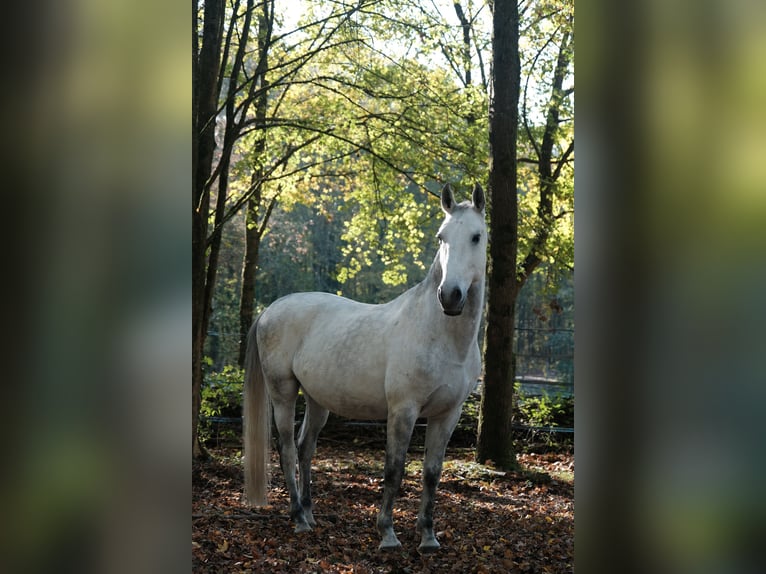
[{"x": 497, "y": 525}]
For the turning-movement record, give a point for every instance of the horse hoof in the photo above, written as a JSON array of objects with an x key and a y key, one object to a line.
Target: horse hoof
[
  {"x": 388, "y": 546},
  {"x": 429, "y": 547},
  {"x": 302, "y": 527}
]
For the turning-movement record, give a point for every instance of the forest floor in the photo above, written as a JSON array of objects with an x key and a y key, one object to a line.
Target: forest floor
[{"x": 486, "y": 520}]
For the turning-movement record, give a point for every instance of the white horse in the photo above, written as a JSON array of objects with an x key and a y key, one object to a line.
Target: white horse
[{"x": 415, "y": 356}]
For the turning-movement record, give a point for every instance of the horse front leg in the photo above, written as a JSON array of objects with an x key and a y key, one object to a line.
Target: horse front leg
[
  {"x": 438, "y": 434},
  {"x": 399, "y": 432}
]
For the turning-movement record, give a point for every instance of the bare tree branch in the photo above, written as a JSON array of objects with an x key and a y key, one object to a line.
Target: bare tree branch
[{"x": 547, "y": 176}]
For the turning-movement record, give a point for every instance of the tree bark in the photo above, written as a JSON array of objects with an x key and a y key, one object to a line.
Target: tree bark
[
  {"x": 206, "y": 244},
  {"x": 206, "y": 65},
  {"x": 249, "y": 269},
  {"x": 466, "y": 25},
  {"x": 253, "y": 229},
  {"x": 495, "y": 440}
]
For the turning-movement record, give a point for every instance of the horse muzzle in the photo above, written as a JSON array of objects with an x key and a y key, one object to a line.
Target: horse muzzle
[{"x": 451, "y": 300}]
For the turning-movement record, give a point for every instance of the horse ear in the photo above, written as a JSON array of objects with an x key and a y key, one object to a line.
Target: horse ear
[
  {"x": 448, "y": 200},
  {"x": 478, "y": 198}
]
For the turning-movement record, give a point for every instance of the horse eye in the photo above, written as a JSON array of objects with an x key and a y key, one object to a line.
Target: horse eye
[
  {"x": 440, "y": 238},
  {"x": 475, "y": 238}
]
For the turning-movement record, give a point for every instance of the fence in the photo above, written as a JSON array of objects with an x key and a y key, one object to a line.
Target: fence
[{"x": 545, "y": 359}]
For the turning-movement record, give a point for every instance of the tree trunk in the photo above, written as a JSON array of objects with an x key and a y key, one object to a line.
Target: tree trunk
[
  {"x": 249, "y": 268},
  {"x": 495, "y": 441},
  {"x": 206, "y": 247},
  {"x": 466, "y": 49},
  {"x": 206, "y": 65},
  {"x": 254, "y": 231}
]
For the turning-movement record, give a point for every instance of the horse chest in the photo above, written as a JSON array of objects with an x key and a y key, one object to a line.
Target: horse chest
[{"x": 430, "y": 386}]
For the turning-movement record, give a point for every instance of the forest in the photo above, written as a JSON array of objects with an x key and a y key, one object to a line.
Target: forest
[{"x": 322, "y": 134}]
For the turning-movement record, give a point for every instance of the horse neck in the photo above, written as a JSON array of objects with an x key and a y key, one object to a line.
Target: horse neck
[{"x": 462, "y": 330}]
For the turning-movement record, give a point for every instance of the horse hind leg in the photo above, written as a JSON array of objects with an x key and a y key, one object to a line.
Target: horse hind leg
[
  {"x": 313, "y": 422},
  {"x": 284, "y": 417}
]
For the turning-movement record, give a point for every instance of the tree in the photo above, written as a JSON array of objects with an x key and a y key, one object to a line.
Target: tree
[
  {"x": 364, "y": 107},
  {"x": 418, "y": 120},
  {"x": 225, "y": 87},
  {"x": 495, "y": 430},
  {"x": 518, "y": 248},
  {"x": 359, "y": 107},
  {"x": 205, "y": 71},
  {"x": 255, "y": 226}
]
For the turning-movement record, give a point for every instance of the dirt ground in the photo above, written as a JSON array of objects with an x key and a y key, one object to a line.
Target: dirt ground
[{"x": 486, "y": 520}]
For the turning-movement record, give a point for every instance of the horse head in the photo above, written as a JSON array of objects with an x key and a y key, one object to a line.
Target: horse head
[{"x": 462, "y": 248}]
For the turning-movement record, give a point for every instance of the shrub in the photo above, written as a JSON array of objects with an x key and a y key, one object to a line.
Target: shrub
[
  {"x": 221, "y": 397},
  {"x": 545, "y": 410},
  {"x": 222, "y": 393}
]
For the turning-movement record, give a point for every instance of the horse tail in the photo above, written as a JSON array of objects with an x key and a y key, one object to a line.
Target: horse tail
[{"x": 257, "y": 425}]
